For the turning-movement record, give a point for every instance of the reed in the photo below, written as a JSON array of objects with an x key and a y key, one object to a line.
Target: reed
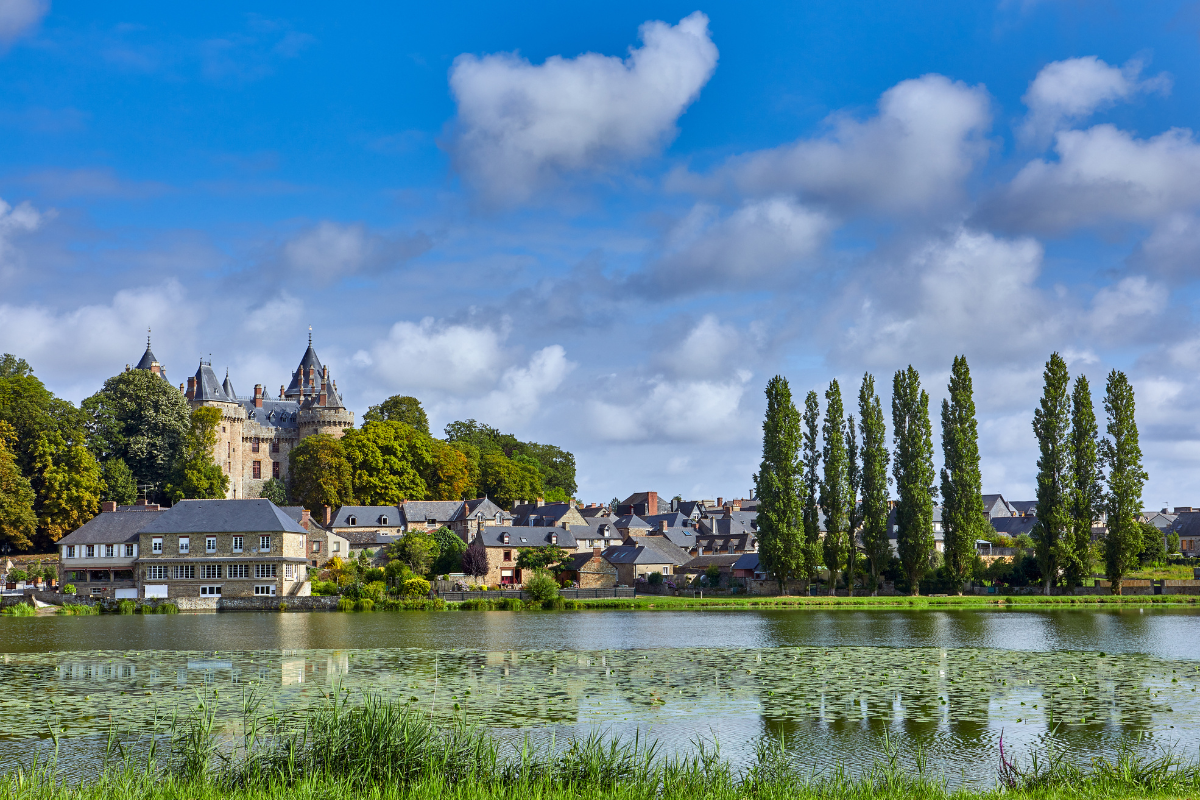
[{"x": 19, "y": 610}]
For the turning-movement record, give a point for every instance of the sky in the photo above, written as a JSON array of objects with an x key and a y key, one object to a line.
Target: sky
[{"x": 606, "y": 226}]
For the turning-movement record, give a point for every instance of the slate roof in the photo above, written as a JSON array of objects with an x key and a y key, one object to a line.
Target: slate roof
[
  {"x": 111, "y": 527},
  {"x": 593, "y": 511},
  {"x": 524, "y": 536},
  {"x": 273, "y": 414},
  {"x": 1013, "y": 526},
  {"x": 659, "y": 550},
  {"x": 366, "y": 516},
  {"x": 224, "y": 516},
  {"x": 367, "y": 538},
  {"x": 576, "y": 562},
  {"x": 309, "y": 359},
  {"x": 684, "y": 538},
  {"x": 691, "y": 508},
  {"x": 546, "y": 514},
  {"x": 148, "y": 358},
  {"x": 482, "y": 505},
  {"x": 227, "y": 387},
  {"x": 700, "y": 563},
  {"x": 1023, "y": 506},
  {"x": 1162, "y": 521},
  {"x": 747, "y": 561},
  {"x": 631, "y": 521},
  {"x": 739, "y": 522},
  {"x": 629, "y": 554},
  {"x": 207, "y": 385},
  {"x": 1187, "y": 523},
  {"x": 674, "y": 519},
  {"x": 422, "y": 510}
]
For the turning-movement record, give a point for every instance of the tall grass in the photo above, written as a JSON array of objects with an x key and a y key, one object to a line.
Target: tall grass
[{"x": 19, "y": 610}]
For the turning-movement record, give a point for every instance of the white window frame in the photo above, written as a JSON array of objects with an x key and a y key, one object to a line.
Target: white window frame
[
  {"x": 90, "y": 550},
  {"x": 156, "y": 544},
  {"x": 184, "y": 572},
  {"x": 267, "y": 590},
  {"x": 337, "y": 547},
  {"x": 264, "y": 543},
  {"x": 130, "y": 550},
  {"x": 210, "y": 591},
  {"x": 210, "y": 572},
  {"x": 316, "y": 547},
  {"x": 185, "y": 544},
  {"x": 70, "y": 551},
  {"x": 110, "y": 550},
  {"x": 237, "y": 571},
  {"x": 237, "y": 544},
  {"x": 262, "y": 571},
  {"x": 210, "y": 544},
  {"x": 352, "y": 520},
  {"x": 287, "y": 571},
  {"x": 157, "y": 572}
]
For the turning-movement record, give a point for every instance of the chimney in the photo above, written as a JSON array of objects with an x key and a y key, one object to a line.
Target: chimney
[
  {"x": 305, "y": 518},
  {"x": 540, "y": 502},
  {"x": 662, "y": 525},
  {"x": 595, "y": 552},
  {"x": 258, "y": 395},
  {"x": 108, "y": 505},
  {"x": 181, "y": 389},
  {"x": 651, "y": 503},
  {"x": 141, "y": 501},
  {"x": 720, "y": 502},
  {"x": 328, "y": 515},
  {"x": 281, "y": 391},
  {"x": 674, "y": 504},
  {"x": 566, "y": 526},
  {"x": 191, "y": 388},
  {"x": 728, "y": 512}
]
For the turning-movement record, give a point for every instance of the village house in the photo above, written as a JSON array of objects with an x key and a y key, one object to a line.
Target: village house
[
  {"x": 546, "y": 514},
  {"x": 100, "y": 557},
  {"x": 591, "y": 570},
  {"x": 503, "y": 544},
  {"x": 748, "y": 567},
  {"x": 222, "y": 548},
  {"x": 700, "y": 564},
  {"x": 643, "y": 556},
  {"x": 478, "y": 513}
]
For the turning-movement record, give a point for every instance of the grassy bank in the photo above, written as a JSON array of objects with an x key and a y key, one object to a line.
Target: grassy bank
[
  {"x": 388, "y": 750},
  {"x": 968, "y": 601}
]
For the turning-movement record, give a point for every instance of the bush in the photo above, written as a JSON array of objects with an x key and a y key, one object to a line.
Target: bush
[
  {"x": 19, "y": 610},
  {"x": 345, "y": 604},
  {"x": 509, "y": 604},
  {"x": 69, "y": 589},
  {"x": 712, "y": 575},
  {"x": 78, "y": 610},
  {"x": 126, "y": 607},
  {"x": 554, "y": 604},
  {"x": 476, "y": 605},
  {"x": 656, "y": 579},
  {"x": 166, "y": 608},
  {"x": 413, "y": 588},
  {"x": 541, "y": 587},
  {"x": 18, "y": 576},
  {"x": 365, "y": 604},
  {"x": 374, "y": 591},
  {"x": 324, "y": 588}
]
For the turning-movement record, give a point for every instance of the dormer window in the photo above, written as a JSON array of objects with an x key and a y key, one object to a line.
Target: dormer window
[
  {"x": 383, "y": 520},
  {"x": 554, "y": 538},
  {"x": 504, "y": 538},
  {"x": 351, "y": 520},
  {"x": 497, "y": 517}
]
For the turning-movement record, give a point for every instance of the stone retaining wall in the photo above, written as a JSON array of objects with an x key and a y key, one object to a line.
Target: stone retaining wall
[{"x": 273, "y": 603}]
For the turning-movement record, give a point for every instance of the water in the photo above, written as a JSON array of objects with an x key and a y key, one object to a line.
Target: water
[{"x": 831, "y": 681}]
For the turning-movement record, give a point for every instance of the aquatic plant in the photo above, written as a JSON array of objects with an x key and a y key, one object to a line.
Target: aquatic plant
[
  {"x": 78, "y": 609},
  {"x": 19, "y": 610}
]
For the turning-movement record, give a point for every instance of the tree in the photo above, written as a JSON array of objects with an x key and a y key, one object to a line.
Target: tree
[
  {"x": 119, "y": 484},
  {"x": 778, "y": 486},
  {"x": 141, "y": 419},
  {"x": 197, "y": 475},
  {"x": 875, "y": 480},
  {"x": 274, "y": 490},
  {"x": 1121, "y": 456},
  {"x": 1154, "y": 547},
  {"x": 811, "y": 513},
  {"x": 1173, "y": 544},
  {"x": 550, "y": 557},
  {"x": 34, "y": 413},
  {"x": 555, "y": 466},
  {"x": 399, "y": 408},
  {"x": 18, "y": 523},
  {"x": 1051, "y": 427},
  {"x": 417, "y": 549},
  {"x": 854, "y": 510},
  {"x": 1085, "y": 490},
  {"x": 963, "y": 519},
  {"x": 835, "y": 484},
  {"x": 506, "y": 481},
  {"x": 913, "y": 471},
  {"x": 387, "y": 460},
  {"x": 319, "y": 473},
  {"x": 541, "y": 587},
  {"x": 450, "y": 551},
  {"x": 450, "y": 475},
  {"x": 68, "y": 484},
  {"x": 475, "y": 560}
]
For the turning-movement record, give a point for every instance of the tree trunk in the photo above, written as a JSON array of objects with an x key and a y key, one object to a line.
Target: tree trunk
[{"x": 1116, "y": 587}]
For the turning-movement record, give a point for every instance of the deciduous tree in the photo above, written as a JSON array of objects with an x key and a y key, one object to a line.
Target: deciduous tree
[
  {"x": 475, "y": 560},
  {"x": 875, "y": 480},
  {"x": 450, "y": 475},
  {"x": 835, "y": 484},
  {"x": 1051, "y": 426},
  {"x": 68, "y": 484},
  {"x": 417, "y": 549},
  {"x": 399, "y": 408},
  {"x": 388, "y": 460},
  {"x": 1086, "y": 492},
  {"x": 778, "y": 486},
  {"x": 274, "y": 490},
  {"x": 1121, "y": 456},
  {"x": 963, "y": 519},
  {"x": 320, "y": 474},
  {"x": 450, "y": 551},
  {"x": 914, "y": 474},
  {"x": 506, "y": 481},
  {"x": 197, "y": 475},
  {"x": 18, "y": 523}
]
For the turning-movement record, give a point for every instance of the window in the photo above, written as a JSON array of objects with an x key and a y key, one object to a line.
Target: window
[
  {"x": 337, "y": 547},
  {"x": 238, "y": 571},
  {"x": 210, "y": 571},
  {"x": 157, "y": 573},
  {"x": 275, "y": 447},
  {"x": 210, "y": 544},
  {"x": 109, "y": 550},
  {"x": 130, "y": 549},
  {"x": 504, "y": 538},
  {"x": 506, "y": 576},
  {"x": 508, "y": 555},
  {"x": 352, "y": 520},
  {"x": 383, "y": 520},
  {"x": 70, "y": 551},
  {"x": 274, "y": 469},
  {"x": 666, "y": 571},
  {"x": 237, "y": 544},
  {"x": 497, "y": 517},
  {"x": 256, "y": 469},
  {"x": 264, "y": 570},
  {"x": 185, "y": 544},
  {"x": 90, "y": 551},
  {"x": 554, "y": 538},
  {"x": 268, "y": 589},
  {"x": 184, "y": 571},
  {"x": 316, "y": 547},
  {"x": 254, "y": 446},
  {"x": 264, "y": 543},
  {"x": 156, "y": 545},
  {"x": 287, "y": 571},
  {"x": 210, "y": 591}
]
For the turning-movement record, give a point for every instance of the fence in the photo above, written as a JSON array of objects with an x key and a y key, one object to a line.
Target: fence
[{"x": 566, "y": 594}]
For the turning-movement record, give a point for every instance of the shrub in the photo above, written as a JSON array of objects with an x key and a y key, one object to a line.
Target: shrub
[
  {"x": 324, "y": 588},
  {"x": 476, "y": 605},
  {"x": 166, "y": 608},
  {"x": 509, "y": 604},
  {"x": 572, "y": 605},
  {"x": 374, "y": 591},
  {"x": 78, "y": 610},
  {"x": 712, "y": 574},
  {"x": 126, "y": 607},
  {"x": 19, "y": 610},
  {"x": 345, "y": 604},
  {"x": 365, "y": 604},
  {"x": 554, "y": 604},
  {"x": 283, "y": 606},
  {"x": 69, "y": 589},
  {"x": 414, "y": 588},
  {"x": 541, "y": 587},
  {"x": 656, "y": 579},
  {"x": 18, "y": 576}
]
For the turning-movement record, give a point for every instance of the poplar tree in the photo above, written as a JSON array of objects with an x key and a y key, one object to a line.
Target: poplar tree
[
  {"x": 1051, "y": 423},
  {"x": 812, "y": 516},
  {"x": 1121, "y": 456},
  {"x": 963, "y": 520},
  {"x": 778, "y": 486},
  {"x": 914, "y": 473},
  {"x": 853, "y": 509},
  {"x": 835, "y": 484},
  {"x": 875, "y": 479},
  {"x": 1086, "y": 492}
]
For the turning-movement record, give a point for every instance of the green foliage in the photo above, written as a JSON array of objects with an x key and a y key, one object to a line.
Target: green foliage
[
  {"x": 835, "y": 485},
  {"x": 120, "y": 486},
  {"x": 542, "y": 586},
  {"x": 875, "y": 499},
  {"x": 69, "y": 589},
  {"x": 416, "y": 549},
  {"x": 414, "y": 587},
  {"x": 963, "y": 517},
  {"x": 126, "y": 607},
  {"x": 712, "y": 575},
  {"x": 450, "y": 551},
  {"x": 912, "y": 468},
  {"x": 78, "y": 610},
  {"x": 197, "y": 475},
  {"x": 655, "y": 579},
  {"x": 1173, "y": 544},
  {"x": 141, "y": 419},
  {"x": 1086, "y": 492},
  {"x": 274, "y": 490},
  {"x": 364, "y": 604},
  {"x": 1121, "y": 456},
  {"x": 320, "y": 474},
  {"x": 555, "y": 466},
  {"x": 19, "y": 610},
  {"x": 18, "y": 522},
  {"x": 387, "y": 460},
  {"x": 778, "y": 485},
  {"x": 451, "y": 475},
  {"x": 324, "y": 588},
  {"x": 375, "y": 590},
  {"x": 811, "y": 553},
  {"x": 18, "y": 576},
  {"x": 34, "y": 414},
  {"x": 507, "y": 481},
  {"x": 549, "y": 558},
  {"x": 68, "y": 484},
  {"x": 345, "y": 604},
  {"x": 1051, "y": 427},
  {"x": 399, "y": 408},
  {"x": 1154, "y": 548}
]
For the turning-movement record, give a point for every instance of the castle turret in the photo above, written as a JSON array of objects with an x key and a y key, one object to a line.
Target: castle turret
[{"x": 150, "y": 361}]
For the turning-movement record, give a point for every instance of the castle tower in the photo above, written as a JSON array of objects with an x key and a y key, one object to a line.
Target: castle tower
[
  {"x": 204, "y": 389},
  {"x": 150, "y": 361},
  {"x": 321, "y": 407}
]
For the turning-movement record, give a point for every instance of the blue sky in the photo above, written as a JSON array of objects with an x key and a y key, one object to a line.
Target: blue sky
[{"x": 606, "y": 225}]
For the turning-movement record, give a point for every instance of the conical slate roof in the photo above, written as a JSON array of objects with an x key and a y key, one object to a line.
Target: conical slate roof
[
  {"x": 207, "y": 385},
  {"x": 227, "y": 387},
  {"x": 300, "y": 376},
  {"x": 148, "y": 358}
]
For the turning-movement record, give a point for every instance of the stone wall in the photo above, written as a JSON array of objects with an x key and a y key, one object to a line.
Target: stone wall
[{"x": 273, "y": 603}]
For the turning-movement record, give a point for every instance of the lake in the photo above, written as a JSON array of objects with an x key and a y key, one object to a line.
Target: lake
[{"x": 832, "y": 682}]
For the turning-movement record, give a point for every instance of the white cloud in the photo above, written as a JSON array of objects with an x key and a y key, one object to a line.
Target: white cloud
[
  {"x": 13, "y": 222},
  {"x": 678, "y": 411},
  {"x": 330, "y": 250},
  {"x": 522, "y": 125},
  {"x": 1172, "y": 249},
  {"x": 435, "y": 356},
  {"x": 757, "y": 241},
  {"x": 522, "y": 389},
  {"x": 18, "y": 17},
  {"x": 1132, "y": 304},
  {"x": 1103, "y": 174},
  {"x": 913, "y": 156},
  {"x": 1071, "y": 90},
  {"x": 278, "y": 314}
]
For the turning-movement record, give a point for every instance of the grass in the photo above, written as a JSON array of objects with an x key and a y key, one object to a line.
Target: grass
[
  {"x": 384, "y": 749},
  {"x": 1174, "y": 572},
  {"x": 968, "y": 601},
  {"x": 19, "y": 610}
]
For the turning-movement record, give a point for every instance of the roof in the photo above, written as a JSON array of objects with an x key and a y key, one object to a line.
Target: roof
[
  {"x": 702, "y": 562},
  {"x": 227, "y": 387},
  {"x": 576, "y": 562},
  {"x": 524, "y": 536},
  {"x": 273, "y": 414},
  {"x": 367, "y": 538},
  {"x": 691, "y": 508},
  {"x": 366, "y": 517},
  {"x": 631, "y": 521},
  {"x": 674, "y": 519},
  {"x": 740, "y": 522},
  {"x": 482, "y": 505},
  {"x": 659, "y": 550},
  {"x": 547, "y": 513},
  {"x": 111, "y": 527},
  {"x": 1187, "y": 523},
  {"x": 224, "y": 516},
  {"x": 307, "y": 361},
  {"x": 207, "y": 385},
  {"x": 423, "y": 510},
  {"x": 746, "y": 561},
  {"x": 1013, "y": 526},
  {"x": 593, "y": 511}
]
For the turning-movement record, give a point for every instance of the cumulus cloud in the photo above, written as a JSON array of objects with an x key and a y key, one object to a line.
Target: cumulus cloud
[
  {"x": 674, "y": 410},
  {"x": 1132, "y": 304},
  {"x": 331, "y": 250},
  {"x": 520, "y": 125},
  {"x": 18, "y": 17},
  {"x": 522, "y": 389},
  {"x": 1068, "y": 91},
  {"x": 760, "y": 240},
  {"x": 1172, "y": 250},
  {"x": 1103, "y": 174},
  {"x": 438, "y": 356},
  {"x": 912, "y": 156}
]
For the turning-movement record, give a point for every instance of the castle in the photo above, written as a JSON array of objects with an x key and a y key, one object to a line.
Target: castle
[{"x": 256, "y": 433}]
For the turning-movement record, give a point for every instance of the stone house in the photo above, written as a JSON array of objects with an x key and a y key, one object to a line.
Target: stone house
[
  {"x": 643, "y": 556},
  {"x": 598, "y": 532},
  {"x": 700, "y": 564},
  {"x": 223, "y": 548},
  {"x": 503, "y": 544},
  {"x": 478, "y": 513},
  {"x": 100, "y": 557},
  {"x": 748, "y": 566},
  {"x": 591, "y": 570},
  {"x": 547, "y": 514}
]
